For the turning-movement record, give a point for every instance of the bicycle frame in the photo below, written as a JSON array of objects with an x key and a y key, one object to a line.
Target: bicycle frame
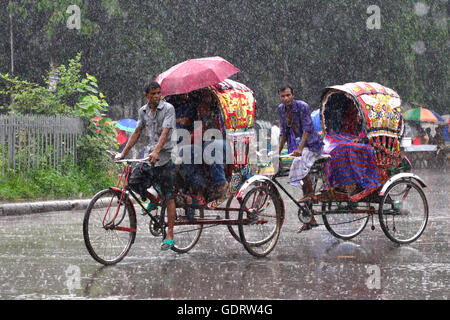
[
  {"x": 318, "y": 169},
  {"x": 126, "y": 192}
]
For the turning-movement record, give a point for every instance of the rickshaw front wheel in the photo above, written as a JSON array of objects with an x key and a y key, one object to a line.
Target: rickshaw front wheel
[
  {"x": 109, "y": 227},
  {"x": 260, "y": 220}
]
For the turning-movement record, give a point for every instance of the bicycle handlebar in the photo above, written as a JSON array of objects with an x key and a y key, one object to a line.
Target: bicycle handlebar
[{"x": 131, "y": 160}]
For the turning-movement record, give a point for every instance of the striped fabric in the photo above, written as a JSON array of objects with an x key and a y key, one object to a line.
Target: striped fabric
[{"x": 350, "y": 163}]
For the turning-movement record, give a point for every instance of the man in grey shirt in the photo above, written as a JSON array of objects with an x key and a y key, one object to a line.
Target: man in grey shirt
[{"x": 157, "y": 121}]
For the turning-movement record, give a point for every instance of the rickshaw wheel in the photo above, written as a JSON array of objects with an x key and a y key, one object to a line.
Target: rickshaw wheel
[
  {"x": 187, "y": 235},
  {"x": 232, "y": 215},
  {"x": 260, "y": 219},
  {"x": 403, "y": 212},
  {"x": 343, "y": 224},
  {"x": 105, "y": 242}
]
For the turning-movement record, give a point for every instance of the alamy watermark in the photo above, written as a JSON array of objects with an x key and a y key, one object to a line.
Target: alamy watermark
[
  {"x": 374, "y": 20},
  {"x": 373, "y": 281},
  {"x": 213, "y": 147},
  {"x": 74, "y": 21},
  {"x": 355, "y": 275},
  {"x": 73, "y": 278}
]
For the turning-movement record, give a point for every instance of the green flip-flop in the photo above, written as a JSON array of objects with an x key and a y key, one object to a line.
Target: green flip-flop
[{"x": 168, "y": 242}]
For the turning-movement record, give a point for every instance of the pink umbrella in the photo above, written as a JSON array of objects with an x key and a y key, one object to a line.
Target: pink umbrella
[{"x": 195, "y": 74}]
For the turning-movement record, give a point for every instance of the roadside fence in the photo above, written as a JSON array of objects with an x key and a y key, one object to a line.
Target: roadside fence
[{"x": 30, "y": 142}]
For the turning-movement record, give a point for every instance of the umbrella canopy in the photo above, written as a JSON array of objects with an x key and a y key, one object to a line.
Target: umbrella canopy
[
  {"x": 96, "y": 119},
  {"x": 420, "y": 114},
  {"x": 315, "y": 116},
  {"x": 195, "y": 74},
  {"x": 440, "y": 119},
  {"x": 126, "y": 124}
]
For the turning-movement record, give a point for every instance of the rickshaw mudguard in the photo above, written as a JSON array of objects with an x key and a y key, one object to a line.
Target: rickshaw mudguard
[
  {"x": 401, "y": 176},
  {"x": 263, "y": 179}
]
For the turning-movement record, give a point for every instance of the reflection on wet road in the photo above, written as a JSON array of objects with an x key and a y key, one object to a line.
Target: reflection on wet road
[{"x": 43, "y": 256}]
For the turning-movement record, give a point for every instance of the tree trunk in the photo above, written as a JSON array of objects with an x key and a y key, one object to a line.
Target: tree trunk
[{"x": 11, "y": 45}]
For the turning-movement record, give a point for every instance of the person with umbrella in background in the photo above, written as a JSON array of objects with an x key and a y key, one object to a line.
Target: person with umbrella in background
[
  {"x": 122, "y": 139},
  {"x": 156, "y": 120}
]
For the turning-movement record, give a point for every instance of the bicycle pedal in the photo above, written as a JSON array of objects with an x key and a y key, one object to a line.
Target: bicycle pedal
[{"x": 304, "y": 214}]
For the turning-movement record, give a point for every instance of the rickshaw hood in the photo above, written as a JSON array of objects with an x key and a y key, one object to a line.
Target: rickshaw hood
[
  {"x": 237, "y": 105},
  {"x": 380, "y": 106}
]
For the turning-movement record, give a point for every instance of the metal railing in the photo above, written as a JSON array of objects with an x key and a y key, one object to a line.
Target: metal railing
[{"x": 29, "y": 142}]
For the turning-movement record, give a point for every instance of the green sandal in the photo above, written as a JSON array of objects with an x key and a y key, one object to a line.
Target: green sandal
[
  {"x": 168, "y": 242},
  {"x": 150, "y": 206}
]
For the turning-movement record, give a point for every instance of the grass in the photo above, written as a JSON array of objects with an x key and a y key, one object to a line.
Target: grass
[{"x": 64, "y": 182}]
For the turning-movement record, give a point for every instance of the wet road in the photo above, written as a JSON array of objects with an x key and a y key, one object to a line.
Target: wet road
[{"x": 43, "y": 256}]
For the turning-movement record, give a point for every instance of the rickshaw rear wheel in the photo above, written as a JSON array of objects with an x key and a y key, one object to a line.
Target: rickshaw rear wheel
[
  {"x": 403, "y": 212},
  {"x": 260, "y": 220},
  {"x": 344, "y": 225}
]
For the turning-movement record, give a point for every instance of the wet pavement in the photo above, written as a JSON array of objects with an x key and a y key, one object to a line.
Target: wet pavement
[{"x": 43, "y": 256}]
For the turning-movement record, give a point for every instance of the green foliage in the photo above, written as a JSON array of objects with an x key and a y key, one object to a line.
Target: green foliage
[
  {"x": 94, "y": 147},
  {"x": 74, "y": 95},
  {"x": 32, "y": 98},
  {"x": 310, "y": 44},
  {"x": 66, "y": 181}
]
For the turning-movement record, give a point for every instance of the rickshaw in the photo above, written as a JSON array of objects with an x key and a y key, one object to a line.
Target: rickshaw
[
  {"x": 254, "y": 219},
  {"x": 398, "y": 199}
]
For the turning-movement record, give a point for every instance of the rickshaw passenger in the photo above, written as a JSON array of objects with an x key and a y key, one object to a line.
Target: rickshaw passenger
[
  {"x": 352, "y": 122},
  {"x": 185, "y": 114},
  {"x": 210, "y": 120},
  {"x": 296, "y": 122},
  {"x": 352, "y": 167}
]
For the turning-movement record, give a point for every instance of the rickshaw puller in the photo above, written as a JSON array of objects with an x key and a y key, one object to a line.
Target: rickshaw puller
[
  {"x": 157, "y": 120},
  {"x": 296, "y": 122}
]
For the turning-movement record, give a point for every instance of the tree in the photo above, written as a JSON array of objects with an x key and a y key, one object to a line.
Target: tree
[{"x": 310, "y": 44}]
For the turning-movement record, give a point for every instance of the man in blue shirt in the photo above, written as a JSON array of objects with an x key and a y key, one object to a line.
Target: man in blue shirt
[{"x": 296, "y": 125}]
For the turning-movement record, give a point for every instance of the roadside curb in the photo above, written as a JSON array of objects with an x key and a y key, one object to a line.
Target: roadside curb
[{"x": 11, "y": 209}]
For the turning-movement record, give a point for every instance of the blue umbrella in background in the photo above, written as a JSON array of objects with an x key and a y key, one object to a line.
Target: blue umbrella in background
[
  {"x": 128, "y": 125},
  {"x": 315, "y": 116}
]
